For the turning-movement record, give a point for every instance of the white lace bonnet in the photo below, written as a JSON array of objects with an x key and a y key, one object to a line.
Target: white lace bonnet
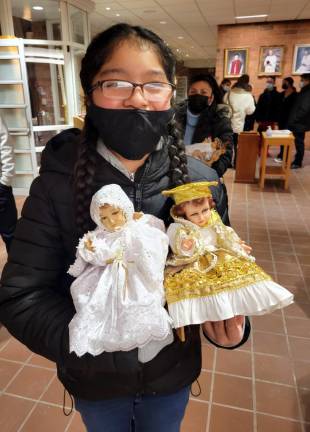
[{"x": 114, "y": 195}]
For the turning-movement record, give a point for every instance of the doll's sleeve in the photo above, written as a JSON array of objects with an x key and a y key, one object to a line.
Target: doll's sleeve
[
  {"x": 153, "y": 221},
  {"x": 228, "y": 239},
  {"x": 178, "y": 235},
  {"x": 97, "y": 251},
  {"x": 77, "y": 267}
]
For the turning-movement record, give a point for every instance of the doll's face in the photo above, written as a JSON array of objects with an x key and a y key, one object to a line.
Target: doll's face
[
  {"x": 198, "y": 214},
  {"x": 111, "y": 217}
]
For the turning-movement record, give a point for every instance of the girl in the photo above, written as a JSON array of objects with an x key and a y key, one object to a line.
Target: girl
[{"x": 129, "y": 139}]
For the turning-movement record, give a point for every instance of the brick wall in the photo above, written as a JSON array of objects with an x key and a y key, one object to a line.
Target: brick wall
[{"x": 253, "y": 36}]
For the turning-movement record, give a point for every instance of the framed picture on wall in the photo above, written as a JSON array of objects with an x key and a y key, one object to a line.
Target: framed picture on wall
[
  {"x": 301, "y": 59},
  {"x": 270, "y": 60},
  {"x": 235, "y": 62}
]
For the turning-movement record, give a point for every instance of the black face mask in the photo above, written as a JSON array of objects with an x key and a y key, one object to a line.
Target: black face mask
[
  {"x": 284, "y": 86},
  {"x": 197, "y": 103},
  {"x": 132, "y": 133}
]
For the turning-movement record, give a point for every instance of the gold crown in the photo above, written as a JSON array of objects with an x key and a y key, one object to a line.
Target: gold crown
[{"x": 190, "y": 191}]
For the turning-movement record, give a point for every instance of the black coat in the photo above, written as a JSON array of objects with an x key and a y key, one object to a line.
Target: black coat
[
  {"x": 286, "y": 107},
  {"x": 299, "y": 120},
  {"x": 213, "y": 122},
  {"x": 35, "y": 301},
  {"x": 268, "y": 106}
]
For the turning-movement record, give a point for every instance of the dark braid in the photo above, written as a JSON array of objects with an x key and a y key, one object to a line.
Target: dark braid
[
  {"x": 84, "y": 175},
  {"x": 178, "y": 159}
]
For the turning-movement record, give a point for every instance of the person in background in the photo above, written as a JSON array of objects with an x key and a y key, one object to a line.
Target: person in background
[
  {"x": 241, "y": 103},
  {"x": 225, "y": 86},
  {"x": 249, "y": 120},
  {"x": 288, "y": 98},
  {"x": 130, "y": 139},
  {"x": 203, "y": 115},
  {"x": 8, "y": 211},
  {"x": 299, "y": 120},
  {"x": 268, "y": 106}
]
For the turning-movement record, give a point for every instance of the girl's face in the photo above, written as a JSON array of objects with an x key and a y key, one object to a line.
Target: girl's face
[
  {"x": 137, "y": 64},
  {"x": 111, "y": 217},
  {"x": 198, "y": 214}
]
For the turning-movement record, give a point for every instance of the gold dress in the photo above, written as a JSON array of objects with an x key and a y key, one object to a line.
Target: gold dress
[{"x": 216, "y": 279}]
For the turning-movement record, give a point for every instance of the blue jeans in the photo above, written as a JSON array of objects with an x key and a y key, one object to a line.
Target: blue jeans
[{"x": 150, "y": 413}]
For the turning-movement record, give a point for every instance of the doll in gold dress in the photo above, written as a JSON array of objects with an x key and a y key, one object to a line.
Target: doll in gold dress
[{"x": 210, "y": 274}]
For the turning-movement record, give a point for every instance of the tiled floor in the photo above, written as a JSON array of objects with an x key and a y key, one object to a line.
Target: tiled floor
[{"x": 262, "y": 387}]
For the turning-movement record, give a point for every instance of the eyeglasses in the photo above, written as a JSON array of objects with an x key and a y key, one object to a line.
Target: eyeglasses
[{"x": 121, "y": 90}]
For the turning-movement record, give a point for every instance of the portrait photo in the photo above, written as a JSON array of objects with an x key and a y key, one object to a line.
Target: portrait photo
[
  {"x": 235, "y": 62},
  {"x": 301, "y": 59},
  {"x": 270, "y": 60}
]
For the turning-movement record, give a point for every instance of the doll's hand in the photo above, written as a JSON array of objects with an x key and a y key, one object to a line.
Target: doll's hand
[
  {"x": 225, "y": 333},
  {"x": 187, "y": 244},
  {"x": 245, "y": 247},
  {"x": 89, "y": 245},
  {"x": 137, "y": 215}
]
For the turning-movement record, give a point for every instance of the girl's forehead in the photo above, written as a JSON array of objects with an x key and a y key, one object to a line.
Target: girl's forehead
[{"x": 130, "y": 57}]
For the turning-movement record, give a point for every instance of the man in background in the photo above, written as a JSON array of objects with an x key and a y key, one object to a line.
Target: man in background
[
  {"x": 268, "y": 106},
  {"x": 8, "y": 211},
  {"x": 299, "y": 120}
]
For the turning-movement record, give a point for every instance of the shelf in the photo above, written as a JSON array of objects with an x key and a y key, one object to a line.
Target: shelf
[
  {"x": 12, "y": 106},
  {"x": 19, "y": 131},
  {"x": 275, "y": 171},
  {"x": 6, "y": 82},
  {"x": 18, "y": 151},
  {"x": 24, "y": 173},
  {"x": 9, "y": 57}
]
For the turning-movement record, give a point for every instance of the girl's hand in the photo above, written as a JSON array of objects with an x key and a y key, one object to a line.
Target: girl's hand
[
  {"x": 225, "y": 333},
  {"x": 245, "y": 247}
]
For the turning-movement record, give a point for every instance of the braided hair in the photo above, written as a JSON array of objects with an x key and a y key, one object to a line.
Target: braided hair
[{"x": 98, "y": 52}]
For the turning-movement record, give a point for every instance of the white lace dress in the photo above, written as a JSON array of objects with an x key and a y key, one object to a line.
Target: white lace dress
[{"x": 118, "y": 293}]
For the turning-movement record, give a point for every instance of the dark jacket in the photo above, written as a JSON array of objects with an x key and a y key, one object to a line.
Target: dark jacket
[
  {"x": 213, "y": 122},
  {"x": 35, "y": 301},
  {"x": 299, "y": 120},
  {"x": 286, "y": 106},
  {"x": 268, "y": 106}
]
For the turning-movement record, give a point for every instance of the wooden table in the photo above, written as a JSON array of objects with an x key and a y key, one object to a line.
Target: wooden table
[{"x": 282, "y": 171}]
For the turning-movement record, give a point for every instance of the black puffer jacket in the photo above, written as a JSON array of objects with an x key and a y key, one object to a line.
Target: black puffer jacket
[
  {"x": 35, "y": 301},
  {"x": 299, "y": 120},
  {"x": 268, "y": 106},
  {"x": 213, "y": 122}
]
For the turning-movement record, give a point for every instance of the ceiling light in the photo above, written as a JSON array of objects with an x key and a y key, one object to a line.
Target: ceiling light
[
  {"x": 117, "y": 14},
  {"x": 251, "y": 16},
  {"x": 180, "y": 37},
  {"x": 37, "y": 7},
  {"x": 186, "y": 55},
  {"x": 108, "y": 8},
  {"x": 162, "y": 22}
]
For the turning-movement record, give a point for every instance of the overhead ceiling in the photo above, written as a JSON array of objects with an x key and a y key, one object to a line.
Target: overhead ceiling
[{"x": 190, "y": 26}]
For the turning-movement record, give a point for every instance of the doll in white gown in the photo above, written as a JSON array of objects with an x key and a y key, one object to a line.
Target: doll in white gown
[
  {"x": 210, "y": 275},
  {"x": 118, "y": 291}
]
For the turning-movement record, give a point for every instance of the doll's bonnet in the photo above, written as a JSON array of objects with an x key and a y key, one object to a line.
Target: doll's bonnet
[{"x": 113, "y": 195}]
